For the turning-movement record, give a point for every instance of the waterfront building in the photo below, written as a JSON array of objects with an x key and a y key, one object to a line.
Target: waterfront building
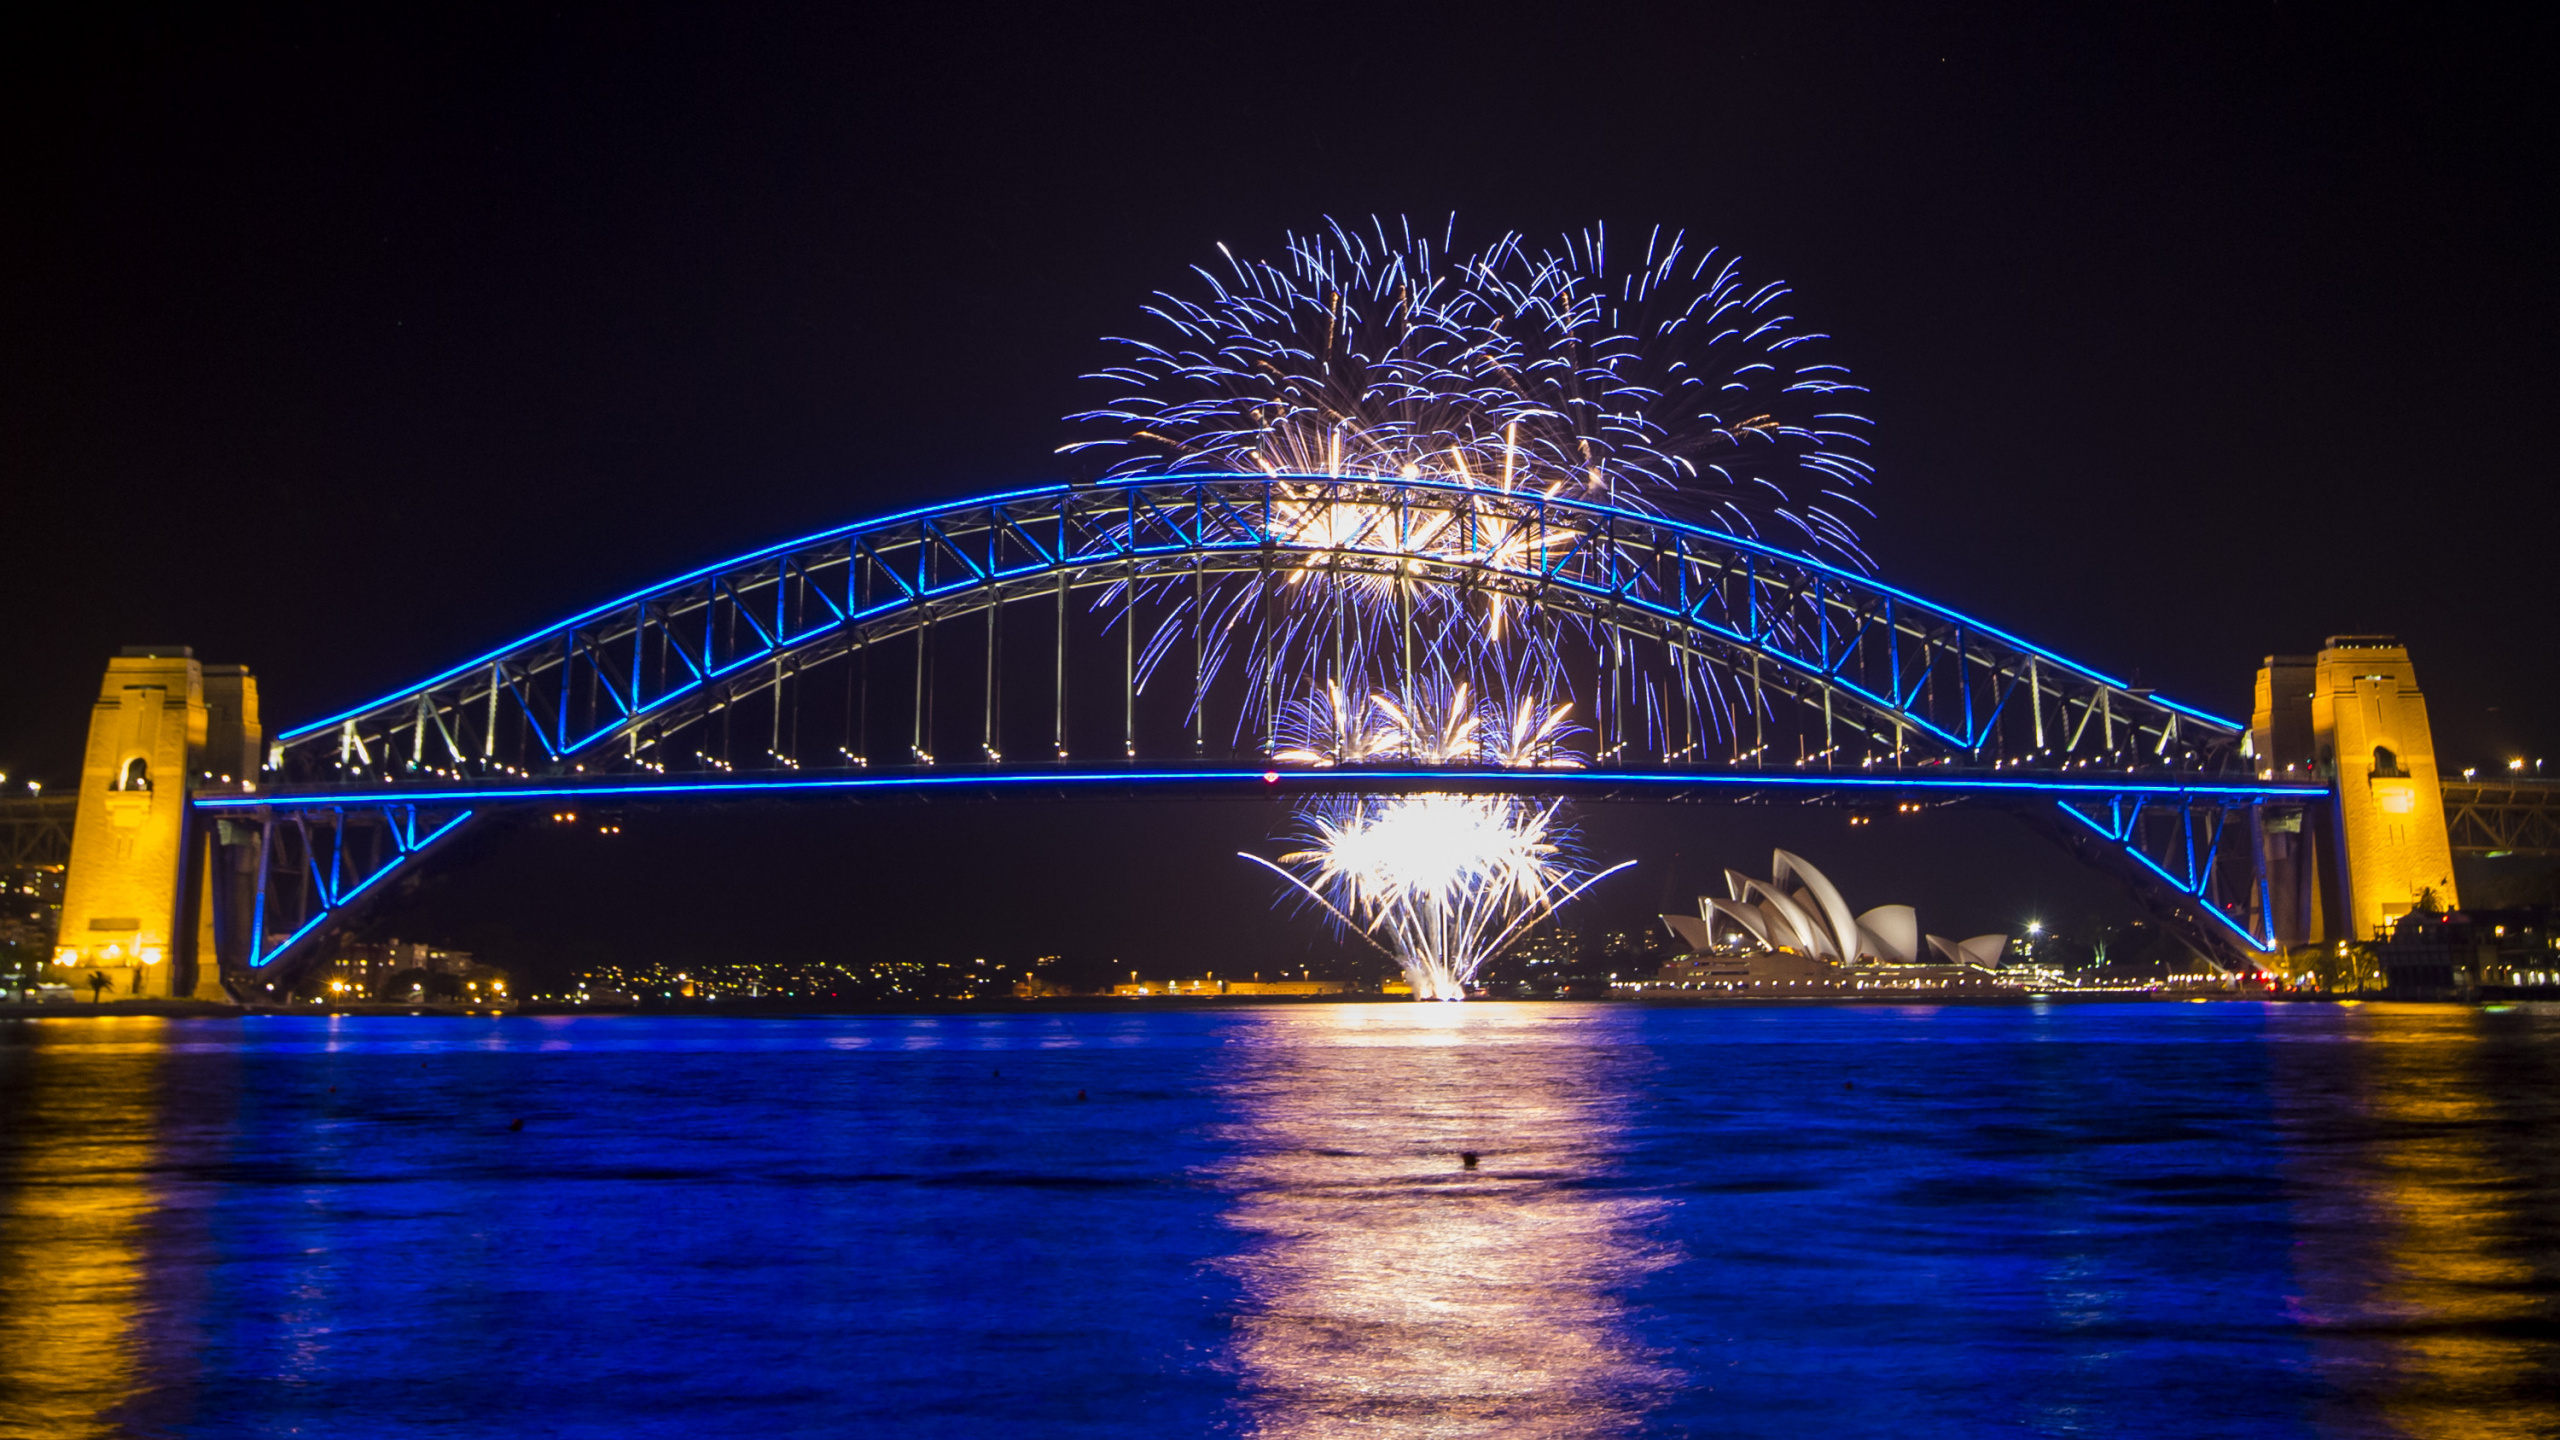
[
  {"x": 406, "y": 972},
  {"x": 361, "y": 969},
  {"x": 2465, "y": 954},
  {"x": 30, "y": 918}
]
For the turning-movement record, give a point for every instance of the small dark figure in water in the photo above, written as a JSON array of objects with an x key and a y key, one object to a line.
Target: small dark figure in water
[
  {"x": 1468, "y": 1158},
  {"x": 516, "y": 1125},
  {"x": 1079, "y": 1094}
]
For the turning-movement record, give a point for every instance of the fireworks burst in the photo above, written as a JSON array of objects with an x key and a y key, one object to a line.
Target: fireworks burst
[
  {"x": 1441, "y": 883},
  {"x": 1433, "y": 723},
  {"x": 1671, "y": 383},
  {"x": 1665, "y": 382},
  {"x": 1659, "y": 379}
]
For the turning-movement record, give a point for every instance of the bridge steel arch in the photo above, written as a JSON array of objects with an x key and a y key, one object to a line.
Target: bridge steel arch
[{"x": 1712, "y": 666}]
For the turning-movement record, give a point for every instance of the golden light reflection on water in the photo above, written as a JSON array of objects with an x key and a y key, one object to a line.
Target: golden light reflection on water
[
  {"x": 83, "y": 1102},
  {"x": 2425, "y": 1280},
  {"x": 1391, "y": 1290}
]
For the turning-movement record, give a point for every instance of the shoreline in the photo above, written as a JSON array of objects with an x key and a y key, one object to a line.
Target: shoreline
[{"x": 1117, "y": 1005}]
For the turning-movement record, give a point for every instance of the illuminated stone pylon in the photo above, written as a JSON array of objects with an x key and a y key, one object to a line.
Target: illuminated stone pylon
[
  {"x": 137, "y": 899},
  {"x": 2352, "y": 715}
]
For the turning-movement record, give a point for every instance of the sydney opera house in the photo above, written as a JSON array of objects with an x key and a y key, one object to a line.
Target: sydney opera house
[{"x": 1793, "y": 931}]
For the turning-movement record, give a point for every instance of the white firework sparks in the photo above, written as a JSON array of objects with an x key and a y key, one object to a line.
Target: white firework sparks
[
  {"x": 1431, "y": 723},
  {"x": 1440, "y": 883}
]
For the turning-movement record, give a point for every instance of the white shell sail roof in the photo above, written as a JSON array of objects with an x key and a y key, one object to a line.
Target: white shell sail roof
[
  {"x": 1896, "y": 929},
  {"x": 1785, "y": 868},
  {"x": 1798, "y": 908},
  {"x": 1753, "y": 923},
  {"x": 1787, "y": 914},
  {"x": 1983, "y": 950},
  {"x": 1690, "y": 931}
]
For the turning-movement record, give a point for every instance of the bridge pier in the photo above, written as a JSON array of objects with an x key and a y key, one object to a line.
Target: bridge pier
[
  {"x": 143, "y": 889},
  {"x": 2352, "y": 717}
]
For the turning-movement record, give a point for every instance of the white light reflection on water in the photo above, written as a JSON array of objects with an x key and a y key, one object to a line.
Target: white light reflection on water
[{"x": 1391, "y": 1290}]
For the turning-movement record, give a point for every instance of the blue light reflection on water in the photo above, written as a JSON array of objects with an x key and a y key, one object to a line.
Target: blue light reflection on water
[{"x": 2136, "y": 1219}]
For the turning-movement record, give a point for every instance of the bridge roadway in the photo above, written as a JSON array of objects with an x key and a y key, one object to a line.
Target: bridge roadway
[{"x": 1932, "y": 785}]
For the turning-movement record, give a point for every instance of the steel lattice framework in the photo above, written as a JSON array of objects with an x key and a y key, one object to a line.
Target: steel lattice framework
[
  {"x": 36, "y": 831},
  {"x": 1150, "y": 633},
  {"x": 2503, "y": 817}
]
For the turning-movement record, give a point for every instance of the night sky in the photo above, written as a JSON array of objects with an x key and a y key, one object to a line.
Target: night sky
[{"x": 348, "y": 345}]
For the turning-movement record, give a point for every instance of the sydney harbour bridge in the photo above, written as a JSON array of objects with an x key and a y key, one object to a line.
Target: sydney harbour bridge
[{"x": 1146, "y": 638}]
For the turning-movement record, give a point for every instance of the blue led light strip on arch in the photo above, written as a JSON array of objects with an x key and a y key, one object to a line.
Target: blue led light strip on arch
[{"x": 1203, "y": 481}]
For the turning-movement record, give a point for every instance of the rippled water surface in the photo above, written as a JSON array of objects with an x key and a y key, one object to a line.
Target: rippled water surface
[{"x": 2115, "y": 1220}]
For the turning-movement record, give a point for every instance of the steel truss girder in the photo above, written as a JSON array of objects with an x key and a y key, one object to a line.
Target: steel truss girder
[
  {"x": 36, "y": 831},
  {"x": 316, "y": 862},
  {"x": 2503, "y": 817},
  {"x": 1735, "y": 632},
  {"x": 2197, "y": 856}
]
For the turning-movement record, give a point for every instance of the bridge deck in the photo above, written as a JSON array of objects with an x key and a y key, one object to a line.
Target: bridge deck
[{"x": 1932, "y": 784}]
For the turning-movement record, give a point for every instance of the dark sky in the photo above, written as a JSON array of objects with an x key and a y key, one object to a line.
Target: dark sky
[{"x": 348, "y": 344}]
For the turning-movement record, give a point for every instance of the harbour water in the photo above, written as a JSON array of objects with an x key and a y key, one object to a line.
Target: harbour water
[{"x": 2134, "y": 1219}]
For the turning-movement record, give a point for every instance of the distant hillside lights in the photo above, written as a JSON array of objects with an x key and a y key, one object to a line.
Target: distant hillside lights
[{"x": 1793, "y": 929}]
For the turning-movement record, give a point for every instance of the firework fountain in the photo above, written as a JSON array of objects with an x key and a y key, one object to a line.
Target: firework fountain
[
  {"x": 1440, "y": 883},
  {"x": 1663, "y": 381}
]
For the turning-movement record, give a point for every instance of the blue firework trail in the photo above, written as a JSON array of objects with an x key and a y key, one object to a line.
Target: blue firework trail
[{"x": 1674, "y": 383}]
